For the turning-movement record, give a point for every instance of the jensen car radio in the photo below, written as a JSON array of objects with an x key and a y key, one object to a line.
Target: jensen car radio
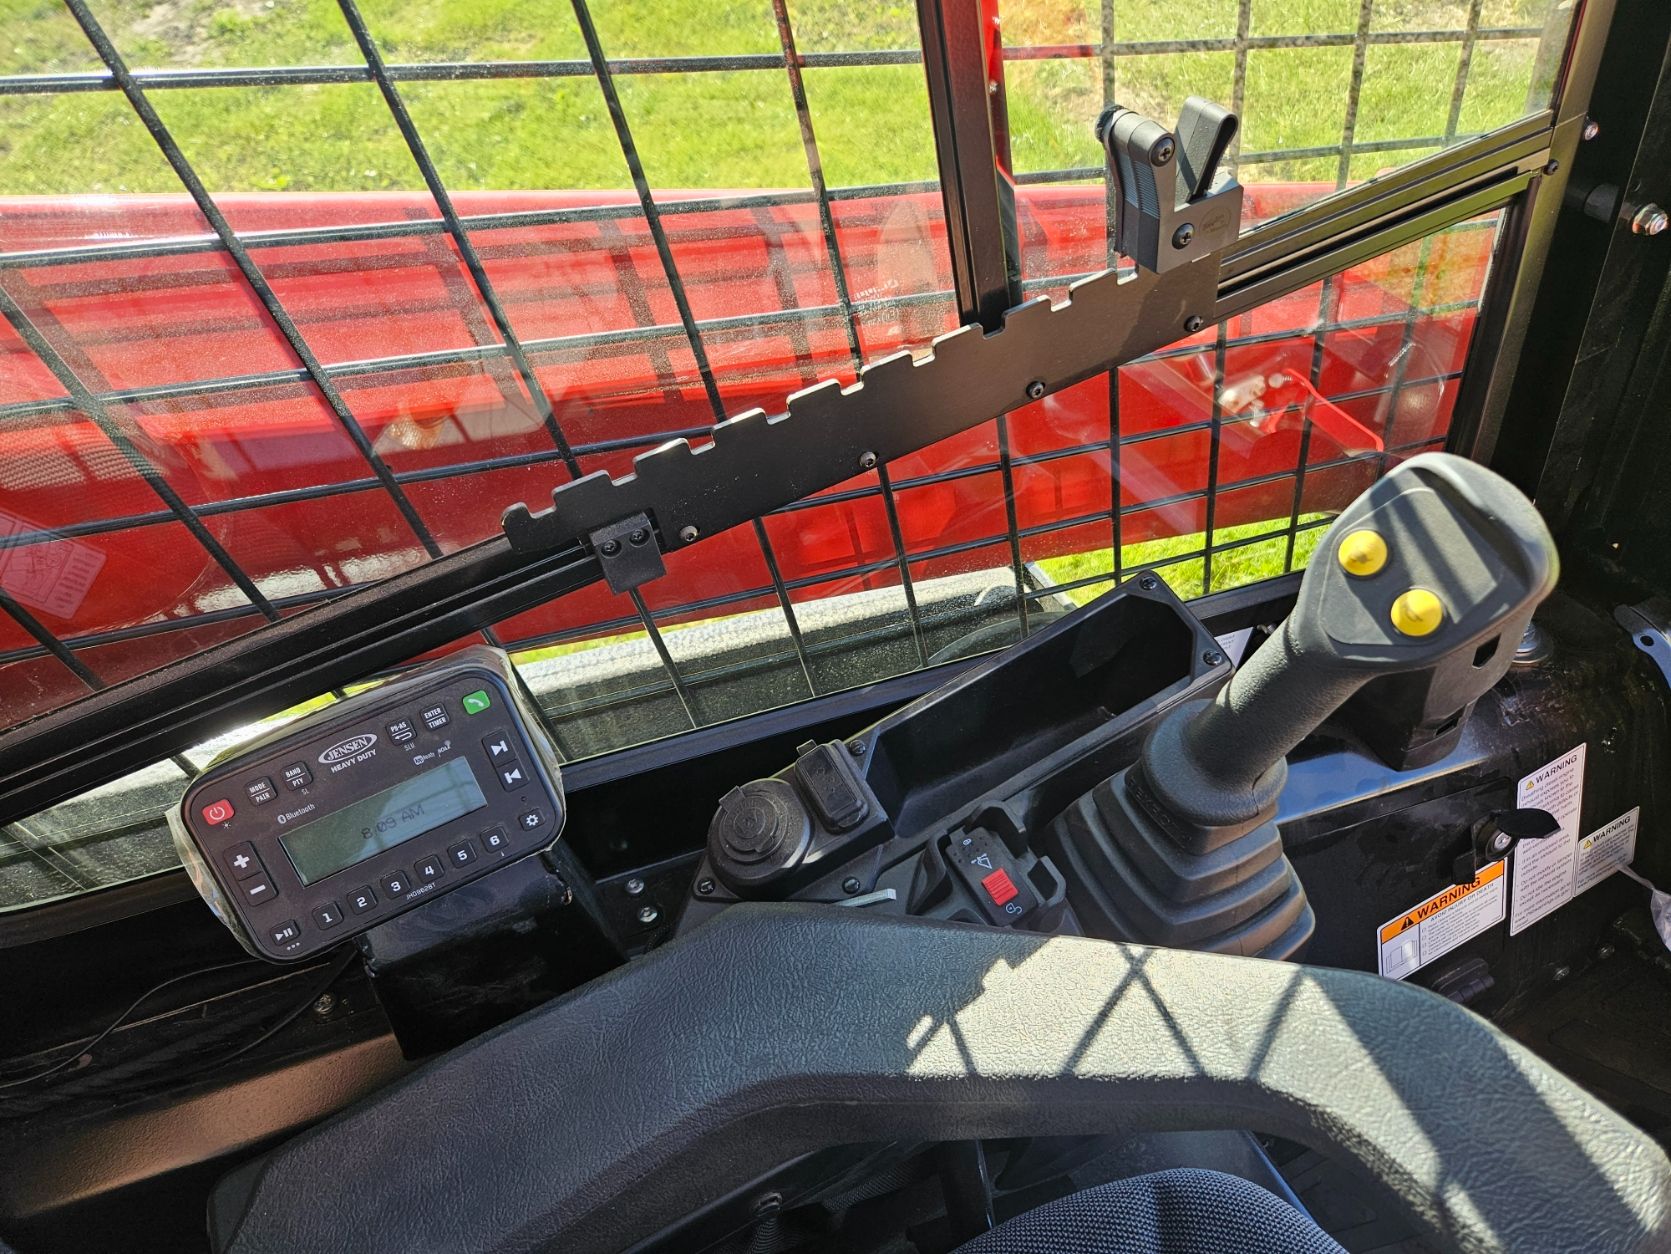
[{"x": 373, "y": 806}]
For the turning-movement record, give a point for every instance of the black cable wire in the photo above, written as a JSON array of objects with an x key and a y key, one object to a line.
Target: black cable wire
[
  {"x": 119, "y": 1020},
  {"x": 332, "y": 973}
]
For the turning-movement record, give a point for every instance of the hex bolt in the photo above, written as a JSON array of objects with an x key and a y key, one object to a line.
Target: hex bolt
[
  {"x": 851, "y": 885},
  {"x": 635, "y": 887},
  {"x": 1592, "y": 128},
  {"x": 689, "y": 534},
  {"x": 1606, "y": 952},
  {"x": 856, "y": 748},
  {"x": 648, "y": 915},
  {"x": 1212, "y": 657},
  {"x": 1552, "y": 167},
  {"x": 1182, "y": 236},
  {"x": 638, "y": 537},
  {"x": 867, "y": 460},
  {"x": 1194, "y": 323},
  {"x": 1501, "y": 842},
  {"x": 1148, "y": 583},
  {"x": 1649, "y": 220},
  {"x": 705, "y": 887},
  {"x": 611, "y": 547},
  {"x": 1035, "y": 389},
  {"x": 1561, "y": 973},
  {"x": 327, "y": 1002}
]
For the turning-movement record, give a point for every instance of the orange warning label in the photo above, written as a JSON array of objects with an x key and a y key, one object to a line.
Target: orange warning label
[{"x": 1437, "y": 902}]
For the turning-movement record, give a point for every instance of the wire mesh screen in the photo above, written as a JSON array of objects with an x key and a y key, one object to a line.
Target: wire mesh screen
[{"x": 301, "y": 294}]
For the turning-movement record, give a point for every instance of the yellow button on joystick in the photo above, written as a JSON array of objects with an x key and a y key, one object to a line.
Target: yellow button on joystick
[
  {"x": 1417, "y": 613},
  {"x": 1362, "y": 553}
]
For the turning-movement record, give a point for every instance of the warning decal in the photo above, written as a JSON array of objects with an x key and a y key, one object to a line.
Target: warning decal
[
  {"x": 1438, "y": 925},
  {"x": 1603, "y": 852},
  {"x": 1543, "y": 869}
]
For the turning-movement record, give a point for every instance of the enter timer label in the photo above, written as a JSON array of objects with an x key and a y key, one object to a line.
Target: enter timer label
[{"x": 1438, "y": 925}]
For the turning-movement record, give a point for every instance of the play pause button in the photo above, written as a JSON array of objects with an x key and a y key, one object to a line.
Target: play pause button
[
  {"x": 512, "y": 776},
  {"x": 498, "y": 746}
]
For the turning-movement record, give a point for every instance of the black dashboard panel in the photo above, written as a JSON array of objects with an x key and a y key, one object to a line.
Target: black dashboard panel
[{"x": 371, "y": 807}]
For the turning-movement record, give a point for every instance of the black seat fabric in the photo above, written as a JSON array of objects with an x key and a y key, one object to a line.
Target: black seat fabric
[{"x": 1184, "y": 1211}]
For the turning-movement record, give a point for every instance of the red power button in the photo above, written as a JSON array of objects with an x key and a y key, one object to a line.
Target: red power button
[
  {"x": 999, "y": 887},
  {"x": 218, "y": 811}
]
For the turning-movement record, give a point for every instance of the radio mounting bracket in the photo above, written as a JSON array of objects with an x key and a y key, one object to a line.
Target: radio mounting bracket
[{"x": 628, "y": 552}]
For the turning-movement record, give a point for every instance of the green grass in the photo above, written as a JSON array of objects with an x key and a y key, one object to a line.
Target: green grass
[
  {"x": 695, "y": 130},
  {"x": 1231, "y": 567}
]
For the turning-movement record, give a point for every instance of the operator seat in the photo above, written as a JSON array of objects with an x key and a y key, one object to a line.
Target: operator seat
[{"x": 1185, "y": 1210}]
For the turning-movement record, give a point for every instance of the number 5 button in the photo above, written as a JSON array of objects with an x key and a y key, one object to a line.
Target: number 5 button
[{"x": 462, "y": 854}]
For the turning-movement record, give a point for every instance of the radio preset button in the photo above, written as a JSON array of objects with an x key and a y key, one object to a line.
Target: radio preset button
[
  {"x": 286, "y": 933},
  {"x": 396, "y": 884},
  {"x": 494, "y": 839},
  {"x": 429, "y": 870},
  {"x": 401, "y": 730},
  {"x": 362, "y": 899},
  {"x": 261, "y": 790},
  {"x": 461, "y": 854},
  {"x": 297, "y": 775},
  {"x": 243, "y": 861},
  {"x": 218, "y": 812},
  {"x": 435, "y": 717},
  {"x": 259, "y": 892},
  {"x": 498, "y": 746},
  {"x": 327, "y": 915}
]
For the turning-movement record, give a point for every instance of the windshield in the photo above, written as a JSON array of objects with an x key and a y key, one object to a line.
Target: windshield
[{"x": 285, "y": 316}]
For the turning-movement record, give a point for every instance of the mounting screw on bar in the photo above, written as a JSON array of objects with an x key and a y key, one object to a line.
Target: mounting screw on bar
[
  {"x": 1035, "y": 389},
  {"x": 1592, "y": 128},
  {"x": 689, "y": 534},
  {"x": 867, "y": 460},
  {"x": 1194, "y": 323}
]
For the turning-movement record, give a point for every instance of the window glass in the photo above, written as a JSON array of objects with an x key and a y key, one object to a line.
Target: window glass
[
  {"x": 1329, "y": 92},
  {"x": 201, "y": 435}
]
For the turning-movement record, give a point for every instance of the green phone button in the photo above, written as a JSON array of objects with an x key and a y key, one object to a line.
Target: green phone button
[{"x": 477, "y": 701}]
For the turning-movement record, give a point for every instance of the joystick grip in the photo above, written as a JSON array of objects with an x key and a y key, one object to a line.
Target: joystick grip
[{"x": 1439, "y": 564}]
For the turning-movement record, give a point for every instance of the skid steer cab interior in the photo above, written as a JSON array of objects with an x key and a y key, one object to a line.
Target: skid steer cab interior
[{"x": 1015, "y": 677}]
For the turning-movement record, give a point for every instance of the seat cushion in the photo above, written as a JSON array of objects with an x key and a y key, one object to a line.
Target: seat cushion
[{"x": 1183, "y": 1211}]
